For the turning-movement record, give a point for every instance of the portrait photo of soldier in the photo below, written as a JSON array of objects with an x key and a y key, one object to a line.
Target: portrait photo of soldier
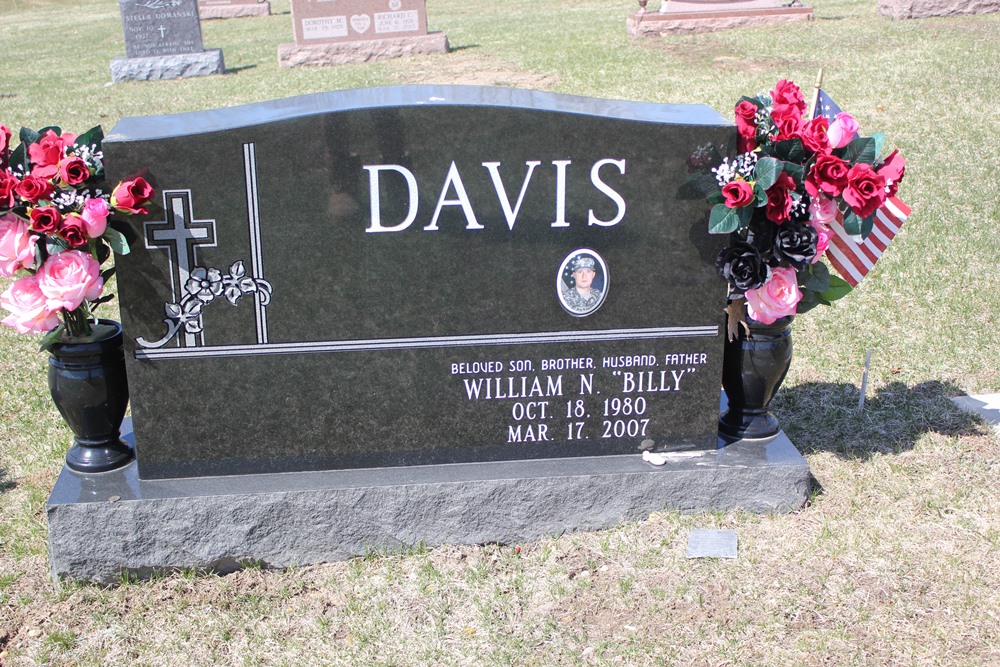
[{"x": 582, "y": 283}]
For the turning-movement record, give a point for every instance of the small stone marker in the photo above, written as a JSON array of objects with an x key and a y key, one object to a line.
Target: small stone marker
[
  {"x": 232, "y": 9},
  {"x": 163, "y": 41},
  {"x": 986, "y": 406},
  {"x": 692, "y": 16},
  {"x": 711, "y": 543},
  {"x": 352, "y": 31}
]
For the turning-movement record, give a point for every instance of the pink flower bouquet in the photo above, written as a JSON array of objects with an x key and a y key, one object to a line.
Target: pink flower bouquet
[{"x": 57, "y": 227}]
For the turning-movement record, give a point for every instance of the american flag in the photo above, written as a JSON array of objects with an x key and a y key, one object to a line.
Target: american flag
[{"x": 853, "y": 259}]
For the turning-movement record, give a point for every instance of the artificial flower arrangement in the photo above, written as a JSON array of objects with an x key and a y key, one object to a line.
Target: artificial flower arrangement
[
  {"x": 58, "y": 227},
  {"x": 791, "y": 180}
]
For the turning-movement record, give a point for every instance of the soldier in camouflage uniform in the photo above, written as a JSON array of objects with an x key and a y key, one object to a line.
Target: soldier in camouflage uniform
[{"x": 582, "y": 298}]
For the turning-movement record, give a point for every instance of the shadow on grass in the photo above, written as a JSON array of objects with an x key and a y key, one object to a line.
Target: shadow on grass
[
  {"x": 5, "y": 483},
  {"x": 237, "y": 70},
  {"x": 824, "y": 417}
]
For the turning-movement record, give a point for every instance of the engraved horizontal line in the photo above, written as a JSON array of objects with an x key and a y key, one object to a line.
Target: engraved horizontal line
[{"x": 533, "y": 338}]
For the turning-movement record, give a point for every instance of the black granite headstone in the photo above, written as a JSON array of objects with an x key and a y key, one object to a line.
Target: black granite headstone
[{"x": 398, "y": 276}]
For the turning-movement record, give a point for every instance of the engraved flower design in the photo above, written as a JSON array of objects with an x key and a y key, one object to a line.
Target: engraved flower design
[
  {"x": 237, "y": 283},
  {"x": 205, "y": 284}
]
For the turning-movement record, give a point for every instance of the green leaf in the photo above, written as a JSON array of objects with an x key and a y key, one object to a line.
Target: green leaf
[
  {"x": 879, "y": 139},
  {"x": 839, "y": 288},
  {"x": 808, "y": 302},
  {"x": 94, "y": 136},
  {"x": 54, "y": 244},
  {"x": 862, "y": 149},
  {"x": 116, "y": 240},
  {"x": 51, "y": 337},
  {"x": 723, "y": 220},
  {"x": 767, "y": 171},
  {"x": 716, "y": 198},
  {"x": 28, "y": 136},
  {"x": 19, "y": 158},
  {"x": 852, "y": 223},
  {"x": 815, "y": 277},
  {"x": 790, "y": 150},
  {"x": 761, "y": 195}
]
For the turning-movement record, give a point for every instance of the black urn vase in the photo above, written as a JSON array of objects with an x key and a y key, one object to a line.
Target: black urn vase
[
  {"x": 753, "y": 367},
  {"x": 88, "y": 385}
]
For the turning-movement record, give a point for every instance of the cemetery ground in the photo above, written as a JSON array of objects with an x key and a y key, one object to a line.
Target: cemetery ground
[{"x": 893, "y": 561}]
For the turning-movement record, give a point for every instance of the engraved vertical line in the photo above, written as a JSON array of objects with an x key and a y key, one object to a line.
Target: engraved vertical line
[{"x": 253, "y": 218}]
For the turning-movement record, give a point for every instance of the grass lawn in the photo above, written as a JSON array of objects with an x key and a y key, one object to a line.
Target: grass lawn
[{"x": 893, "y": 562}]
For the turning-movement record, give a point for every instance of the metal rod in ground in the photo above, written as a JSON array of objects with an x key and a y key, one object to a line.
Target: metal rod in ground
[{"x": 864, "y": 380}]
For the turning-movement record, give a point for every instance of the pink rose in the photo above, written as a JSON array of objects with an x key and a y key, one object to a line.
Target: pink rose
[
  {"x": 822, "y": 210},
  {"x": 825, "y": 234},
  {"x": 95, "y": 216},
  {"x": 779, "y": 203},
  {"x": 814, "y": 135},
  {"x": 47, "y": 152},
  {"x": 132, "y": 195},
  {"x": 32, "y": 189},
  {"x": 4, "y": 141},
  {"x": 67, "y": 278},
  {"x": 17, "y": 245},
  {"x": 842, "y": 130},
  {"x": 28, "y": 307},
  {"x": 786, "y": 93},
  {"x": 45, "y": 219},
  {"x": 737, "y": 193},
  {"x": 865, "y": 191},
  {"x": 74, "y": 230},
  {"x": 746, "y": 126},
  {"x": 73, "y": 170},
  {"x": 829, "y": 176},
  {"x": 779, "y": 297}
]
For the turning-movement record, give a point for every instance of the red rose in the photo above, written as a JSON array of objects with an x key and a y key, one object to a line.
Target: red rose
[
  {"x": 737, "y": 193},
  {"x": 779, "y": 204},
  {"x": 746, "y": 126},
  {"x": 73, "y": 170},
  {"x": 814, "y": 136},
  {"x": 828, "y": 175},
  {"x": 46, "y": 153},
  {"x": 865, "y": 191},
  {"x": 8, "y": 185},
  {"x": 45, "y": 219},
  {"x": 892, "y": 170},
  {"x": 788, "y": 120},
  {"x": 32, "y": 188},
  {"x": 132, "y": 195},
  {"x": 74, "y": 230},
  {"x": 786, "y": 93}
]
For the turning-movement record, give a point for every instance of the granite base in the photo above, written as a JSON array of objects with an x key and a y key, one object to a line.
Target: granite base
[
  {"x": 102, "y": 525},
  {"x": 234, "y": 11},
  {"x": 917, "y": 9},
  {"x": 691, "y": 17},
  {"x": 346, "y": 53},
  {"x": 178, "y": 66}
]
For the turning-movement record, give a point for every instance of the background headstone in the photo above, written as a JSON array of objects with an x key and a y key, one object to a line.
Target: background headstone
[
  {"x": 916, "y": 9},
  {"x": 232, "y": 9},
  {"x": 351, "y": 31},
  {"x": 163, "y": 41},
  {"x": 694, "y": 16}
]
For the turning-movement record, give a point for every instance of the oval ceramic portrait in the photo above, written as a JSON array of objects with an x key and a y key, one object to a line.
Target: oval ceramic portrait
[{"x": 582, "y": 282}]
